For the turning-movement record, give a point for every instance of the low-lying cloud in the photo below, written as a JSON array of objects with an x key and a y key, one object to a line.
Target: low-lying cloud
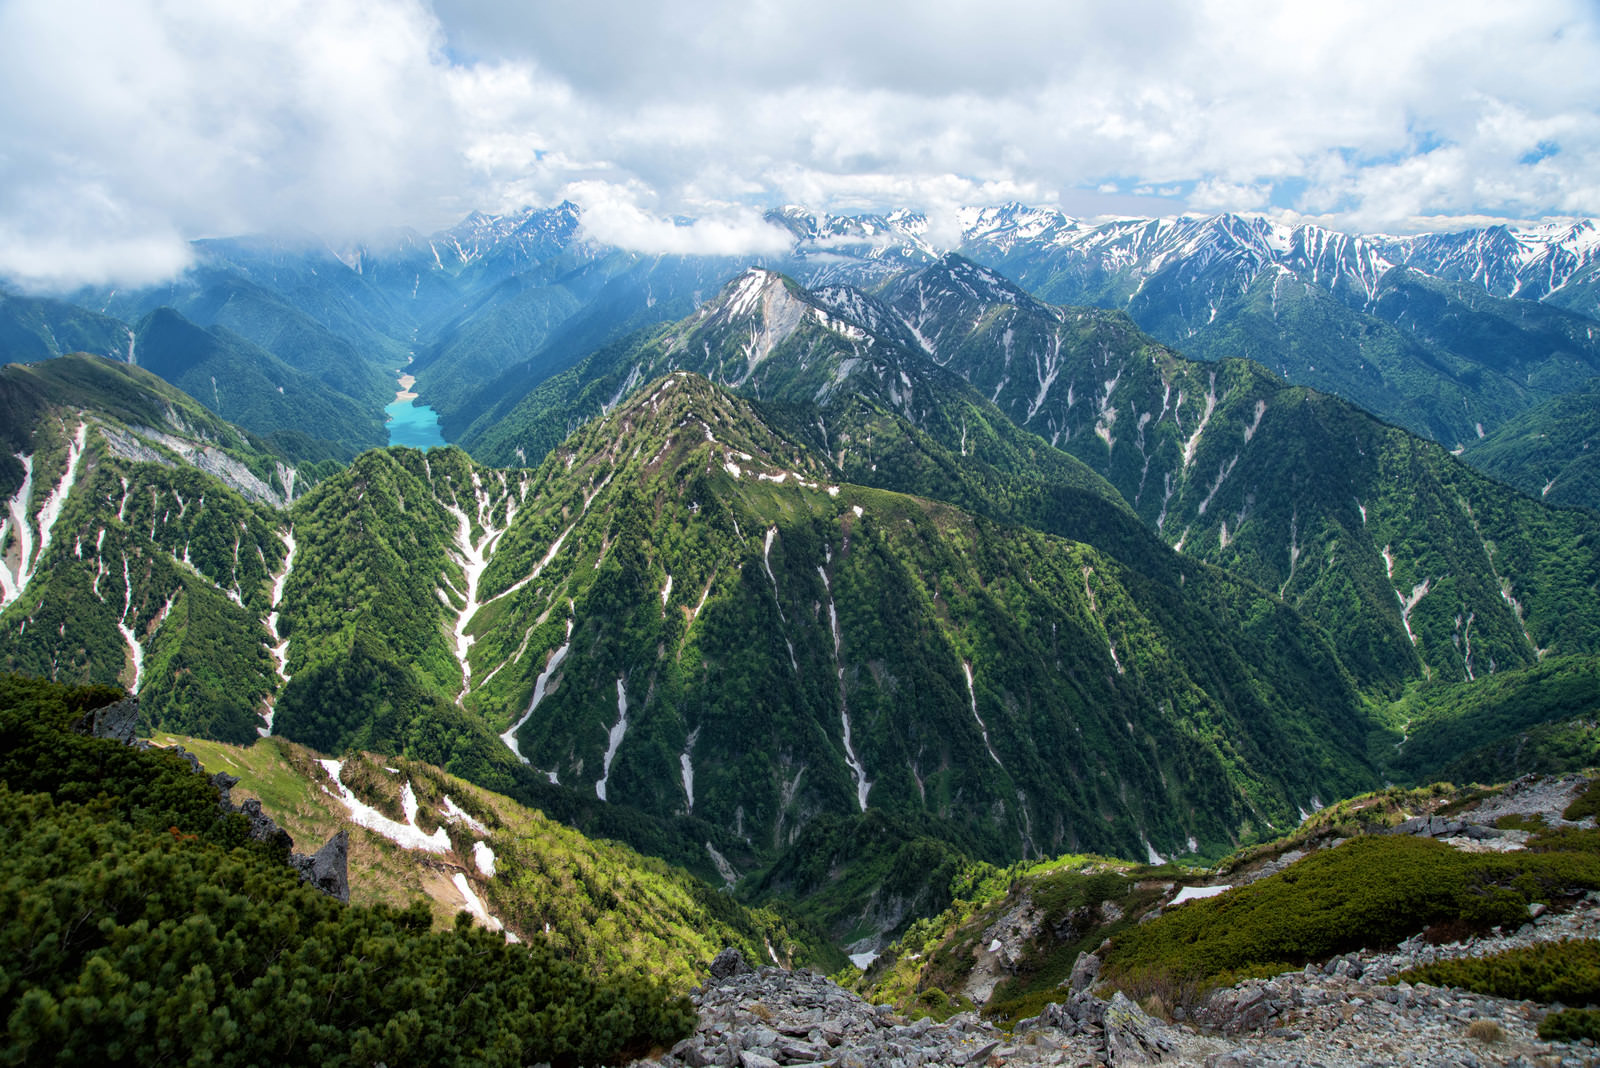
[{"x": 151, "y": 122}]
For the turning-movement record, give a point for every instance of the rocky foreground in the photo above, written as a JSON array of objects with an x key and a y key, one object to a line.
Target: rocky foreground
[
  {"x": 1346, "y": 1012},
  {"x": 1343, "y": 1013}
]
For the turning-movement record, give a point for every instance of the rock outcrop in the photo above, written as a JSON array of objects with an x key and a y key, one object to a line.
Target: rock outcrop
[
  {"x": 1343, "y": 1013},
  {"x": 327, "y": 869},
  {"x": 116, "y": 722}
]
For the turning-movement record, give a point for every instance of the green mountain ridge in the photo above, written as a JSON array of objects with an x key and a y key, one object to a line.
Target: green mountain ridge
[
  {"x": 1412, "y": 561},
  {"x": 667, "y": 536},
  {"x": 713, "y": 622},
  {"x": 249, "y": 386},
  {"x": 1441, "y": 355}
]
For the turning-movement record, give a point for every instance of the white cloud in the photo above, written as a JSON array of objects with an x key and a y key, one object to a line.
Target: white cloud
[
  {"x": 132, "y": 123},
  {"x": 612, "y": 216}
]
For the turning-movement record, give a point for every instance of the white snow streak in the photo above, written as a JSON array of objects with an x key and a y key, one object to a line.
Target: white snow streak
[
  {"x": 857, "y": 770},
  {"x": 280, "y": 647},
  {"x": 1046, "y": 367},
  {"x": 1194, "y": 439},
  {"x": 686, "y": 765},
  {"x": 16, "y": 521},
  {"x": 473, "y": 558},
  {"x": 1250, "y": 431},
  {"x": 406, "y": 834},
  {"x": 538, "y": 568},
  {"x": 972, "y": 698},
  {"x": 613, "y": 739},
  {"x": 1196, "y": 893},
  {"x": 456, "y": 814},
  {"x": 766, "y": 561},
  {"x": 539, "y": 685},
  {"x": 724, "y": 869},
  {"x": 483, "y": 857},
  {"x": 1418, "y": 592},
  {"x": 135, "y": 647},
  {"x": 474, "y": 904}
]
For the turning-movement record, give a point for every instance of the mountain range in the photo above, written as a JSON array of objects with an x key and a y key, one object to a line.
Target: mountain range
[{"x": 869, "y": 553}]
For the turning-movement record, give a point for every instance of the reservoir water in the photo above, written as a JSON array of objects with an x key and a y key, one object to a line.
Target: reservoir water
[{"x": 410, "y": 423}]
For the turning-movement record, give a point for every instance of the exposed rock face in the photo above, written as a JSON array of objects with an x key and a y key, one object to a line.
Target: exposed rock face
[
  {"x": 729, "y": 962},
  {"x": 1343, "y": 1013},
  {"x": 759, "y": 1019},
  {"x": 1133, "y": 1036},
  {"x": 1085, "y": 970},
  {"x": 115, "y": 722},
  {"x": 328, "y": 869},
  {"x": 263, "y": 828}
]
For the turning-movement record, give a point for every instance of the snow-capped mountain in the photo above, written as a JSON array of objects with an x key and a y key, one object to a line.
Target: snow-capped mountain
[
  {"x": 1557, "y": 262},
  {"x": 1448, "y": 335},
  {"x": 1534, "y": 262}
]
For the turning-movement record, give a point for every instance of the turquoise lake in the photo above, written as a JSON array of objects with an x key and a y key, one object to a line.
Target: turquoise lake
[{"x": 413, "y": 424}]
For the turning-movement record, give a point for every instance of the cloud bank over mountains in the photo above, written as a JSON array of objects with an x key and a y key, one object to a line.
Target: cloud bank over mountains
[{"x": 133, "y": 126}]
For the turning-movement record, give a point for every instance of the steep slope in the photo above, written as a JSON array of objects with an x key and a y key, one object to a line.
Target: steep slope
[
  {"x": 1446, "y": 354},
  {"x": 206, "y": 945},
  {"x": 757, "y": 679},
  {"x": 684, "y": 610},
  {"x": 216, "y": 297},
  {"x": 1551, "y": 451},
  {"x": 37, "y": 328},
  {"x": 416, "y": 831},
  {"x": 249, "y": 386},
  {"x": 1410, "y": 560},
  {"x": 1556, "y": 262},
  {"x": 540, "y": 322},
  {"x": 258, "y": 277},
  {"x": 140, "y": 544},
  {"x": 840, "y": 373}
]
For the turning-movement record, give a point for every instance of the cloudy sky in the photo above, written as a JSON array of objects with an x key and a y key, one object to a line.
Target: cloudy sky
[{"x": 129, "y": 127}]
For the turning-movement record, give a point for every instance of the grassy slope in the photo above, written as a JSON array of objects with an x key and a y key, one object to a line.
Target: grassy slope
[{"x": 604, "y": 904}]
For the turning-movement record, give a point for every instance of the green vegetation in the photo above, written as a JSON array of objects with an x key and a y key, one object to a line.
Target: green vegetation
[
  {"x": 1567, "y": 971},
  {"x": 596, "y": 903},
  {"x": 1412, "y": 563},
  {"x": 1435, "y": 723},
  {"x": 38, "y": 328},
  {"x": 1571, "y": 1025},
  {"x": 1072, "y": 902},
  {"x": 1370, "y": 892},
  {"x": 140, "y": 926},
  {"x": 1435, "y": 355},
  {"x": 857, "y": 876},
  {"x": 1586, "y": 805},
  {"x": 248, "y": 385},
  {"x": 178, "y": 559},
  {"x": 1550, "y": 451}
]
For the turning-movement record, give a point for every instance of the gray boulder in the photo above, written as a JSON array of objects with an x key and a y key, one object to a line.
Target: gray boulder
[
  {"x": 1133, "y": 1036},
  {"x": 263, "y": 828},
  {"x": 328, "y": 869},
  {"x": 729, "y": 962},
  {"x": 116, "y": 721},
  {"x": 1085, "y": 971}
]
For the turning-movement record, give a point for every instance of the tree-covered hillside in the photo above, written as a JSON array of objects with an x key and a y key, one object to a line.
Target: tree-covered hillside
[
  {"x": 685, "y": 610},
  {"x": 1411, "y": 561},
  {"x": 141, "y": 924}
]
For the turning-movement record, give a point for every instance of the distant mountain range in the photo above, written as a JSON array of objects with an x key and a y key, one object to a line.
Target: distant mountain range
[
  {"x": 1140, "y": 537},
  {"x": 1449, "y": 335}
]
